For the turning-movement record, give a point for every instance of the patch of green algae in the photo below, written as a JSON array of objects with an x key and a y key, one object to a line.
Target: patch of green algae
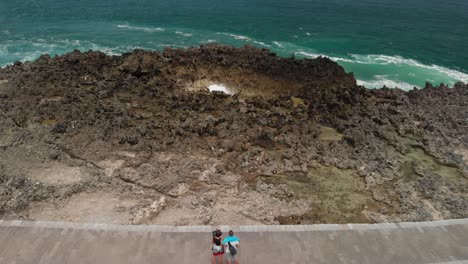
[
  {"x": 420, "y": 157},
  {"x": 416, "y": 156},
  {"x": 335, "y": 195},
  {"x": 297, "y": 101},
  {"x": 49, "y": 122},
  {"x": 329, "y": 134},
  {"x": 340, "y": 196}
]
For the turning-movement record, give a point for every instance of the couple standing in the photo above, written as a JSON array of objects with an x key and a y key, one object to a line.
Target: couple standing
[{"x": 226, "y": 247}]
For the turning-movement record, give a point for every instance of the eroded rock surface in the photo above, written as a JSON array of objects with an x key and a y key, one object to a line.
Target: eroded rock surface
[{"x": 297, "y": 142}]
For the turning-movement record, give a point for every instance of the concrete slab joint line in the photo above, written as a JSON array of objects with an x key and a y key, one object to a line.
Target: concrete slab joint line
[
  {"x": 259, "y": 228},
  {"x": 452, "y": 262}
]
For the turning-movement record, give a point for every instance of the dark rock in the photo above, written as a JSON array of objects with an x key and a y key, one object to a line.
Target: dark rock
[
  {"x": 428, "y": 85},
  {"x": 459, "y": 85},
  {"x": 150, "y": 102},
  {"x": 59, "y": 128}
]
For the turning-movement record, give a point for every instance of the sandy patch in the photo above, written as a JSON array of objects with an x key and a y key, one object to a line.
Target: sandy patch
[
  {"x": 57, "y": 175},
  {"x": 99, "y": 207},
  {"x": 110, "y": 166}
]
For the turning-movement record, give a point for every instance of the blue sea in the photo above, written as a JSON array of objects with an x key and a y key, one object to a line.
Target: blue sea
[{"x": 383, "y": 42}]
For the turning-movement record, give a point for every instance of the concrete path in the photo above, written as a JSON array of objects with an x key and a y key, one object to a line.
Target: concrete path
[{"x": 57, "y": 242}]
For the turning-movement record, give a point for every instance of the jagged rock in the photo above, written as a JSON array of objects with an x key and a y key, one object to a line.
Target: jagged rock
[
  {"x": 428, "y": 85},
  {"x": 459, "y": 85},
  {"x": 145, "y": 214},
  {"x": 157, "y": 103}
]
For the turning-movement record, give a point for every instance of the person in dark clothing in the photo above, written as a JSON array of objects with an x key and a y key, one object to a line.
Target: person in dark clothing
[{"x": 217, "y": 248}]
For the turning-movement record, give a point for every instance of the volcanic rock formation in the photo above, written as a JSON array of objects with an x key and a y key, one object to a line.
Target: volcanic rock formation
[{"x": 139, "y": 138}]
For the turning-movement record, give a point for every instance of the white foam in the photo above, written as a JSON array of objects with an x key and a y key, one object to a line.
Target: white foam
[
  {"x": 172, "y": 45},
  {"x": 52, "y": 46},
  {"x": 261, "y": 43},
  {"x": 398, "y": 60},
  {"x": 31, "y": 56},
  {"x": 308, "y": 34},
  {"x": 395, "y": 60},
  {"x": 184, "y": 34},
  {"x": 308, "y": 54},
  {"x": 239, "y": 37},
  {"x": 219, "y": 88},
  {"x": 316, "y": 55},
  {"x": 145, "y": 29},
  {"x": 381, "y": 82},
  {"x": 245, "y": 38},
  {"x": 278, "y": 44},
  {"x": 381, "y": 76},
  {"x": 108, "y": 51},
  {"x": 75, "y": 42}
]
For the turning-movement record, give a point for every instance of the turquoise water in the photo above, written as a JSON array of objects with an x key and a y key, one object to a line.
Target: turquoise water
[{"x": 384, "y": 42}]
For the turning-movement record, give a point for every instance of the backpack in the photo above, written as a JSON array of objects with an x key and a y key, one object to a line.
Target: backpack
[{"x": 232, "y": 249}]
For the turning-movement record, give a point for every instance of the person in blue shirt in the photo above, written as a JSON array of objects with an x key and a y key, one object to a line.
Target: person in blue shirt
[{"x": 231, "y": 245}]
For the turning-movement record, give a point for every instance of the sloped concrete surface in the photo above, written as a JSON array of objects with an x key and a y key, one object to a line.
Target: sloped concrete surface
[{"x": 59, "y": 242}]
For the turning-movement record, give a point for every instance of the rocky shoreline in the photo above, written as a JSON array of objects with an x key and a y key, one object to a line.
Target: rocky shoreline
[{"x": 140, "y": 139}]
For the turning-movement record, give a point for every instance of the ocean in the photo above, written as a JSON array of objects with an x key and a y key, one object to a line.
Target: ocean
[{"x": 383, "y": 42}]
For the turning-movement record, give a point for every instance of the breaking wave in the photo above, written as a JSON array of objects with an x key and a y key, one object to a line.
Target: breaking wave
[
  {"x": 381, "y": 82},
  {"x": 145, "y": 29},
  {"x": 376, "y": 71},
  {"x": 238, "y": 37},
  {"x": 184, "y": 34},
  {"x": 30, "y": 50},
  {"x": 398, "y": 61}
]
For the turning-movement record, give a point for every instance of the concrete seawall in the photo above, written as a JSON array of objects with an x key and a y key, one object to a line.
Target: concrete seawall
[{"x": 62, "y": 242}]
